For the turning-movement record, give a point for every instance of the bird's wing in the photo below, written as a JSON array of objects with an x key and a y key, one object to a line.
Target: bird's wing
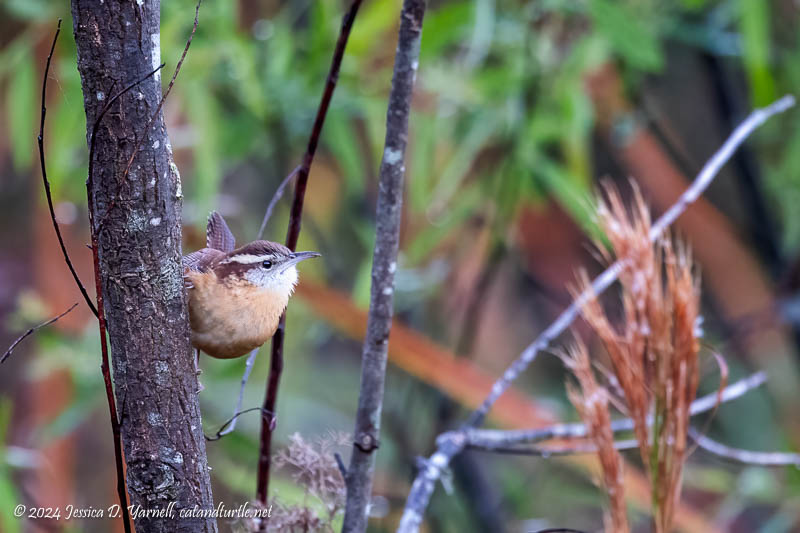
[
  {"x": 199, "y": 261},
  {"x": 202, "y": 259},
  {"x": 218, "y": 235}
]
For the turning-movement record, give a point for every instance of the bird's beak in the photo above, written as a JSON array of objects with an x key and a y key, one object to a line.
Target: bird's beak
[{"x": 296, "y": 257}]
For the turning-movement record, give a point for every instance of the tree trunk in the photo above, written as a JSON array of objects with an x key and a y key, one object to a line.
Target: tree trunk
[{"x": 137, "y": 220}]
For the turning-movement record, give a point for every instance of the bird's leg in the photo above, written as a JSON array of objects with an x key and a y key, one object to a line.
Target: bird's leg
[{"x": 197, "y": 370}]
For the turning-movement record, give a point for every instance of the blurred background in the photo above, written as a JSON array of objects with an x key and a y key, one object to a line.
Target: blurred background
[{"x": 520, "y": 109}]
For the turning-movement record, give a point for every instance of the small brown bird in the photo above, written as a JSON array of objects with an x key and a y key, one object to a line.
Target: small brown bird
[{"x": 236, "y": 296}]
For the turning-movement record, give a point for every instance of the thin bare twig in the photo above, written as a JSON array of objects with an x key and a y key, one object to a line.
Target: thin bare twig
[
  {"x": 340, "y": 465},
  {"x": 453, "y": 443},
  {"x": 106, "y": 370},
  {"x": 96, "y": 126},
  {"x": 560, "y": 530},
  {"x": 248, "y": 367},
  {"x": 232, "y": 420},
  {"x": 572, "y": 449},
  {"x": 491, "y": 440},
  {"x": 384, "y": 264},
  {"x": 166, "y": 93},
  {"x": 743, "y": 456},
  {"x": 30, "y": 332},
  {"x": 46, "y": 182},
  {"x": 274, "y": 201},
  {"x": 292, "y": 234}
]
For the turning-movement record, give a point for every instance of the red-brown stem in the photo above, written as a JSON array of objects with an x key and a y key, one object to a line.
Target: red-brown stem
[
  {"x": 268, "y": 419},
  {"x": 104, "y": 366},
  {"x": 46, "y": 182},
  {"x": 292, "y": 234}
]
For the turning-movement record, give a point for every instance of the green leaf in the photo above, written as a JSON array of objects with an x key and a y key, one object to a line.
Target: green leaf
[
  {"x": 30, "y": 9},
  {"x": 8, "y": 492},
  {"x": 21, "y": 109},
  {"x": 374, "y": 19},
  {"x": 464, "y": 206},
  {"x": 340, "y": 136},
  {"x": 444, "y": 27},
  {"x": 421, "y": 156},
  {"x": 205, "y": 119},
  {"x": 66, "y": 150},
  {"x": 463, "y": 159},
  {"x": 754, "y": 26},
  {"x": 694, "y": 5},
  {"x": 8, "y": 499},
  {"x": 570, "y": 193},
  {"x": 363, "y": 285},
  {"x": 628, "y": 34}
]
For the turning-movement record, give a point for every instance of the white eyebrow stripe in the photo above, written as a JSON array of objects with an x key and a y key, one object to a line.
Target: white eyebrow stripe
[{"x": 247, "y": 259}]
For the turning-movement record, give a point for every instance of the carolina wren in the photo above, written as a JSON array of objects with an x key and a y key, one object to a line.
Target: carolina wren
[{"x": 237, "y": 296}]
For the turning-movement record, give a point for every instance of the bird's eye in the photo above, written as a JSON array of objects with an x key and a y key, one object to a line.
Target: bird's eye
[{"x": 267, "y": 264}]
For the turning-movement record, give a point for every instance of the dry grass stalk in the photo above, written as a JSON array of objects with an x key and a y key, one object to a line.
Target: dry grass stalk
[
  {"x": 314, "y": 469},
  {"x": 654, "y": 353},
  {"x": 591, "y": 402}
]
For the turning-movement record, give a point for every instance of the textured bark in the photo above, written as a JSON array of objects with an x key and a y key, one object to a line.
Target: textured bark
[
  {"x": 139, "y": 244},
  {"x": 384, "y": 264}
]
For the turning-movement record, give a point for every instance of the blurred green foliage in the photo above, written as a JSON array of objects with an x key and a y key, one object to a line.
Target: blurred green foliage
[
  {"x": 498, "y": 76},
  {"x": 501, "y": 120}
]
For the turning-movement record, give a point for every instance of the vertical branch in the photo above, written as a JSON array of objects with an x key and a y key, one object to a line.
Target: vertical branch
[
  {"x": 295, "y": 218},
  {"x": 138, "y": 272},
  {"x": 384, "y": 264}
]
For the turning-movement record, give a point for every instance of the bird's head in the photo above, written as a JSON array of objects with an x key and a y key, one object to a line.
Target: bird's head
[{"x": 264, "y": 264}]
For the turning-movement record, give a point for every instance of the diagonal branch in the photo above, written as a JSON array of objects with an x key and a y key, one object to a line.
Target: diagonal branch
[
  {"x": 571, "y": 449},
  {"x": 604, "y": 280},
  {"x": 454, "y": 442},
  {"x": 22, "y": 337},
  {"x": 274, "y": 201},
  {"x": 292, "y": 234}
]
